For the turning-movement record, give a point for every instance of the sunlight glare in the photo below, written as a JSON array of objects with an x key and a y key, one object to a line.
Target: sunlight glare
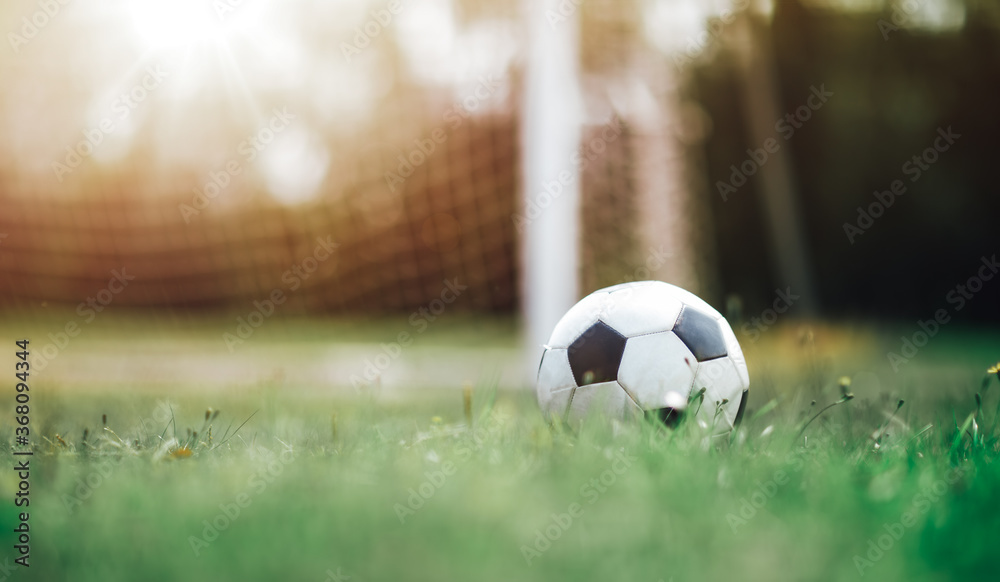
[
  {"x": 164, "y": 24},
  {"x": 294, "y": 166}
]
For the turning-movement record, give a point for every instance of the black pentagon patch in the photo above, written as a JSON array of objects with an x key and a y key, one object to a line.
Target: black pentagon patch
[
  {"x": 701, "y": 334},
  {"x": 595, "y": 356},
  {"x": 670, "y": 417}
]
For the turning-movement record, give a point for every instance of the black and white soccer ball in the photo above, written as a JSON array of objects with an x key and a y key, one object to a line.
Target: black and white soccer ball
[{"x": 644, "y": 348}]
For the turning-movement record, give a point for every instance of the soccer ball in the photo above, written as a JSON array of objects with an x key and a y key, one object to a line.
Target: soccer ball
[{"x": 644, "y": 348}]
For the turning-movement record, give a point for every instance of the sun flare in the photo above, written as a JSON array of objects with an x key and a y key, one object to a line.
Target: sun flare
[{"x": 177, "y": 23}]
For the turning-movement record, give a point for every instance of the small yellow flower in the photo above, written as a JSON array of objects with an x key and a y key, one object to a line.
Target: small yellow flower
[
  {"x": 845, "y": 387},
  {"x": 995, "y": 369},
  {"x": 180, "y": 453},
  {"x": 436, "y": 420}
]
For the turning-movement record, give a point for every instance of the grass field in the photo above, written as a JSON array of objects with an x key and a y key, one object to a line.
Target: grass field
[{"x": 285, "y": 481}]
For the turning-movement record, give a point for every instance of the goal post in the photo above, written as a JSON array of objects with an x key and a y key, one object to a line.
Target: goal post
[{"x": 550, "y": 205}]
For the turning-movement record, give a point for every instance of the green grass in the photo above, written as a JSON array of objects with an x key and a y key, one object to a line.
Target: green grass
[{"x": 674, "y": 512}]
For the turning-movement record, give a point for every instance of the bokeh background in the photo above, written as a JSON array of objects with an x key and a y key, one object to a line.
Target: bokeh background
[
  {"x": 342, "y": 229},
  {"x": 115, "y": 116}
]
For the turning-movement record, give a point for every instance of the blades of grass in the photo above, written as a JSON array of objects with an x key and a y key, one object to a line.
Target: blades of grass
[
  {"x": 235, "y": 432},
  {"x": 996, "y": 412},
  {"x": 227, "y": 430},
  {"x": 771, "y": 405},
  {"x": 487, "y": 387},
  {"x": 718, "y": 412},
  {"x": 467, "y": 403},
  {"x": 847, "y": 397},
  {"x": 204, "y": 425},
  {"x": 115, "y": 435},
  {"x": 961, "y": 431},
  {"x": 885, "y": 426},
  {"x": 700, "y": 398},
  {"x": 920, "y": 432},
  {"x": 145, "y": 433},
  {"x": 287, "y": 446},
  {"x": 169, "y": 424}
]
